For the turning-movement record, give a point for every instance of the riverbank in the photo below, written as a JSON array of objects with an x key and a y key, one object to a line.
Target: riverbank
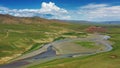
[{"x": 35, "y": 57}]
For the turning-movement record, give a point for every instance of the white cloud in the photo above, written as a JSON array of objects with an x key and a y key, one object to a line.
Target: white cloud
[
  {"x": 57, "y": 12},
  {"x": 3, "y": 8},
  {"x": 51, "y": 8},
  {"x": 92, "y": 12},
  {"x": 100, "y": 12},
  {"x": 46, "y": 8},
  {"x": 93, "y": 6}
]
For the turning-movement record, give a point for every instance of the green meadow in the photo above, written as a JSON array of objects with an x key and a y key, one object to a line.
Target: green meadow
[
  {"x": 85, "y": 44},
  {"x": 18, "y": 39},
  {"x": 109, "y": 59}
]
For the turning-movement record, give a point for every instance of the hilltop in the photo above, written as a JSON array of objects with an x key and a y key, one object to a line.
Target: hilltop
[
  {"x": 8, "y": 19},
  {"x": 19, "y": 35}
]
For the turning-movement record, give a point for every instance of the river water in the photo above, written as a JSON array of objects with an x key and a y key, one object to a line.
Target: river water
[{"x": 50, "y": 54}]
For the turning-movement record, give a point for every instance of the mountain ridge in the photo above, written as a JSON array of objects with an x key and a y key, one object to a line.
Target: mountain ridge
[{"x": 8, "y": 19}]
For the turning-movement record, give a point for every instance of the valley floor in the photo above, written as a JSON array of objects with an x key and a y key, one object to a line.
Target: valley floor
[{"x": 50, "y": 54}]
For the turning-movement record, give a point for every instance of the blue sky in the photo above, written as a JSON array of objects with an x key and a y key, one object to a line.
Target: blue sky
[{"x": 90, "y": 10}]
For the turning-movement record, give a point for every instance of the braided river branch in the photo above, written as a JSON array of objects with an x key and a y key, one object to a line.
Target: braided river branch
[{"x": 59, "y": 49}]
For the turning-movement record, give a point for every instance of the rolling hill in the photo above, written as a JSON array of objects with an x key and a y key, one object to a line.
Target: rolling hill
[{"x": 19, "y": 35}]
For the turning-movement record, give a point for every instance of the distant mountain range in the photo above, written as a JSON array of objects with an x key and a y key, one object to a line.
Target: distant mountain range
[
  {"x": 90, "y": 22},
  {"x": 8, "y": 19},
  {"x": 110, "y": 22},
  {"x": 14, "y": 20}
]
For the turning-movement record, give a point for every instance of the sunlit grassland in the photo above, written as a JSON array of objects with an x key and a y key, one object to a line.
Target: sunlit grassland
[
  {"x": 109, "y": 59},
  {"x": 85, "y": 44},
  {"x": 18, "y": 39}
]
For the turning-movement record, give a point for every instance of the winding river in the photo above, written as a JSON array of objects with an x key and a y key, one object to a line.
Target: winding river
[{"x": 50, "y": 54}]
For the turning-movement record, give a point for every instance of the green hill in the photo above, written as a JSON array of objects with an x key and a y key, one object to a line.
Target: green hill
[
  {"x": 19, "y": 35},
  {"x": 103, "y": 60}
]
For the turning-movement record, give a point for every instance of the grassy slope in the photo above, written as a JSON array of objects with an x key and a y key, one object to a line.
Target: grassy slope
[
  {"x": 19, "y": 38},
  {"x": 104, "y": 60},
  {"x": 16, "y": 39},
  {"x": 22, "y": 36}
]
